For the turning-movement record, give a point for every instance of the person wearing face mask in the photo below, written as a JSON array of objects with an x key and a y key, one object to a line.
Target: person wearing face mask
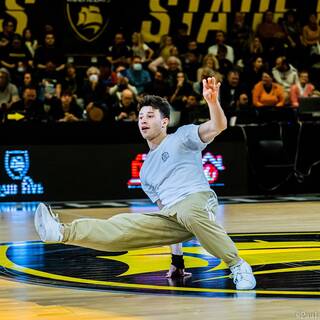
[
  {"x": 137, "y": 76},
  {"x": 94, "y": 91}
]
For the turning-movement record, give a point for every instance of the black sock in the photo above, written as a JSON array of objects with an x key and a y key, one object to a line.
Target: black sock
[{"x": 177, "y": 261}]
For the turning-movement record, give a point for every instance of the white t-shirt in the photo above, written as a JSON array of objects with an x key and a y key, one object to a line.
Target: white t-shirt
[{"x": 174, "y": 169}]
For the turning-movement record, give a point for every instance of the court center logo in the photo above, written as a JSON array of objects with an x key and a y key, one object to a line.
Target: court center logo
[
  {"x": 88, "y": 18},
  {"x": 16, "y": 165},
  {"x": 285, "y": 265}
]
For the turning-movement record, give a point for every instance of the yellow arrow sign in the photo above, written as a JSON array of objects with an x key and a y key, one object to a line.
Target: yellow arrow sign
[{"x": 15, "y": 116}]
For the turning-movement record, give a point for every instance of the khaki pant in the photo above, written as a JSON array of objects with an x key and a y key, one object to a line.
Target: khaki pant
[{"x": 193, "y": 216}]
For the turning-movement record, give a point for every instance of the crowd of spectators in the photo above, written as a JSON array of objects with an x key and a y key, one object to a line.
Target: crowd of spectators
[{"x": 271, "y": 66}]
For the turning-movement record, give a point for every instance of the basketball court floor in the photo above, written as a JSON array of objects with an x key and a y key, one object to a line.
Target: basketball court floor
[{"x": 278, "y": 236}]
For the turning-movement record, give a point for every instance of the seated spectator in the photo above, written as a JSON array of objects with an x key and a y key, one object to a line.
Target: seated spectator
[
  {"x": 292, "y": 29},
  {"x": 302, "y": 88},
  {"x": 181, "y": 37},
  {"x": 107, "y": 75},
  {"x": 255, "y": 48},
  {"x": 8, "y": 91},
  {"x": 170, "y": 70},
  {"x": 70, "y": 111},
  {"x": 126, "y": 108},
  {"x": 71, "y": 81},
  {"x": 268, "y": 93},
  {"x": 165, "y": 47},
  {"x": 94, "y": 91},
  {"x": 30, "y": 41},
  {"x": 158, "y": 86},
  {"x": 225, "y": 65},
  {"x": 230, "y": 91},
  {"x": 49, "y": 53},
  {"x": 311, "y": 31},
  {"x": 239, "y": 35},
  {"x": 191, "y": 63},
  {"x": 220, "y": 40},
  {"x": 193, "y": 46},
  {"x": 27, "y": 81},
  {"x": 182, "y": 90},
  {"x": 29, "y": 106},
  {"x": 272, "y": 36},
  {"x": 194, "y": 111},
  {"x": 172, "y": 62},
  {"x": 122, "y": 84},
  {"x": 252, "y": 72},
  {"x": 140, "y": 48},
  {"x": 285, "y": 74},
  {"x": 46, "y": 29},
  {"x": 137, "y": 76},
  {"x": 119, "y": 52},
  {"x": 50, "y": 82},
  {"x": 8, "y": 32},
  {"x": 17, "y": 59}
]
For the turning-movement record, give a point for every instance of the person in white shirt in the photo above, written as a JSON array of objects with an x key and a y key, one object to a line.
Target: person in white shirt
[
  {"x": 172, "y": 176},
  {"x": 220, "y": 39}
]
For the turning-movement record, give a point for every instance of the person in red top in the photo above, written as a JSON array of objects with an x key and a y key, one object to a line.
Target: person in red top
[
  {"x": 303, "y": 88},
  {"x": 268, "y": 93}
]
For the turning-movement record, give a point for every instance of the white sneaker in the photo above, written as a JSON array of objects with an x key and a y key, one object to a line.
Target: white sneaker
[
  {"x": 243, "y": 276},
  {"x": 47, "y": 224}
]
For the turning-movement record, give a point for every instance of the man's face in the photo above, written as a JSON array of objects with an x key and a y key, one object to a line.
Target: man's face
[
  {"x": 66, "y": 99},
  {"x": 30, "y": 95},
  {"x": 151, "y": 124},
  {"x": 27, "y": 78},
  {"x": 126, "y": 98},
  {"x": 219, "y": 37},
  {"x": 9, "y": 27},
  {"x": 49, "y": 39},
  {"x": 192, "y": 101},
  {"x": 118, "y": 39},
  {"x": 233, "y": 79},
  {"x": 258, "y": 63},
  {"x": 266, "y": 79},
  {"x": 304, "y": 77}
]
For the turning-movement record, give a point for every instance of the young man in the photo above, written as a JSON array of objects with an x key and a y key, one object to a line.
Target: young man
[{"x": 172, "y": 175}]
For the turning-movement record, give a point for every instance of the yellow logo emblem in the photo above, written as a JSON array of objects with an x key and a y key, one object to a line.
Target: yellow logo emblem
[
  {"x": 88, "y": 20},
  {"x": 284, "y": 264}
]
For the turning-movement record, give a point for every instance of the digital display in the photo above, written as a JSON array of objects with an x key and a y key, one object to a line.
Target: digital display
[
  {"x": 16, "y": 165},
  {"x": 103, "y": 171},
  {"x": 212, "y": 165}
]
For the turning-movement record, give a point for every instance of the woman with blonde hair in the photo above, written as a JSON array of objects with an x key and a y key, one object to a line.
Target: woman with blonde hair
[
  {"x": 140, "y": 48},
  {"x": 166, "y": 46}
]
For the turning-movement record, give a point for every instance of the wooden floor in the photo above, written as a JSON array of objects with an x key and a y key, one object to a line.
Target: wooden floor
[{"x": 26, "y": 301}]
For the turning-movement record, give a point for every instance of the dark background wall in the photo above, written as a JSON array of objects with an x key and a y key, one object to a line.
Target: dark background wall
[{"x": 82, "y": 161}]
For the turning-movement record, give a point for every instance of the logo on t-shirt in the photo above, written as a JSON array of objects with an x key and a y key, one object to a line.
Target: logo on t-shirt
[{"x": 165, "y": 156}]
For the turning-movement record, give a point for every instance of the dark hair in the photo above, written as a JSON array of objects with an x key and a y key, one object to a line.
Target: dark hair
[
  {"x": 156, "y": 102},
  {"x": 67, "y": 92},
  {"x": 5, "y": 23},
  {"x": 30, "y": 87}
]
